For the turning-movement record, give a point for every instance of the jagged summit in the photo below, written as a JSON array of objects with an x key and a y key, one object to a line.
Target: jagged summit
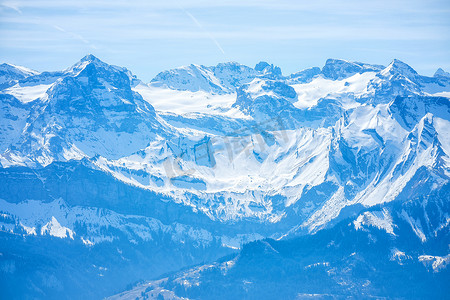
[
  {"x": 268, "y": 70},
  {"x": 91, "y": 60},
  {"x": 441, "y": 73},
  {"x": 399, "y": 67},
  {"x": 87, "y": 59},
  {"x": 340, "y": 69},
  {"x": 90, "y": 57},
  {"x": 261, "y": 66}
]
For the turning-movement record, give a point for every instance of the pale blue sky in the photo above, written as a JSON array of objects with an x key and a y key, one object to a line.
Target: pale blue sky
[{"x": 151, "y": 36}]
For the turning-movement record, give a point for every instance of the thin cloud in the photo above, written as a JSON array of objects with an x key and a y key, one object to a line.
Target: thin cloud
[
  {"x": 75, "y": 36},
  {"x": 11, "y": 5},
  {"x": 199, "y": 25},
  {"x": 349, "y": 7}
]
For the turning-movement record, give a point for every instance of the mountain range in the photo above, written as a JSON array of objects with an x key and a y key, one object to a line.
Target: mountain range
[{"x": 224, "y": 181}]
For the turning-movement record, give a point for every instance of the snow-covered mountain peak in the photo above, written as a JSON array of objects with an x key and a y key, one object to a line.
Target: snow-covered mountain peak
[
  {"x": 193, "y": 78},
  {"x": 221, "y": 79},
  {"x": 337, "y": 69},
  {"x": 397, "y": 67},
  {"x": 83, "y": 62},
  {"x": 90, "y": 61},
  {"x": 399, "y": 79},
  {"x": 94, "y": 85},
  {"x": 17, "y": 69},
  {"x": 88, "y": 58},
  {"x": 89, "y": 110},
  {"x": 268, "y": 70},
  {"x": 9, "y": 73}
]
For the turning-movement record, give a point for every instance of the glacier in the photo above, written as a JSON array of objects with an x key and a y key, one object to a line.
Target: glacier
[{"x": 206, "y": 162}]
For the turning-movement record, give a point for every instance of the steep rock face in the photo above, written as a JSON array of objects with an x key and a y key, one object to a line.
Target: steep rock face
[
  {"x": 409, "y": 110},
  {"x": 13, "y": 117}
]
